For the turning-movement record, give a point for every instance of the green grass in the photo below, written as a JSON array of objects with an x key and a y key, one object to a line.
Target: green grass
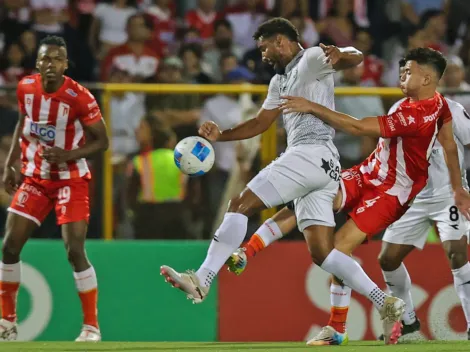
[{"x": 356, "y": 346}]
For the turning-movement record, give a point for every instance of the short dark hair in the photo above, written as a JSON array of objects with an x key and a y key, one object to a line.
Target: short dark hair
[
  {"x": 402, "y": 62},
  {"x": 426, "y": 16},
  {"x": 226, "y": 55},
  {"x": 277, "y": 25},
  {"x": 53, "y": 40},
  {"x": 223, "y": 22},
  {"x": 195, "y": 48},
  {"x": 428, "y": 56}
]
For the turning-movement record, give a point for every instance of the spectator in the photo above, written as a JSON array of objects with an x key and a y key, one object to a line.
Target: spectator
[
  {"x": 223, "y": 43},
  {"x": 15, "y": 18},
  {"x": 180, "y": 111},
  {"x": 29, "y": 44},
  {"x": 308, "y": 32},
  {"x": 164, "y": 23},
  {"x": 12, "y": 66},
  {"x": 49, "y": 16},
  {"x": 191, "y": 54},
  {"x": 353, "y": 149},
  {"x": 135, "y": 57},
  {"x": 412, "y": 10},
  {"x": 245, "y": 19},
  {"x": 338, "y": 27},
  {"x": 108, "y": 28},
  {"x": 373, "y": 66},
  {"x": 226, "y": 112},
  {"x": 127, "y": 110},
  {"x": 156, "y": 188},
  {"x": 434, "y": 25},
  {"x": 454, "y": 79},
  {"x": 415, "y": 40},
  {"x": 202, "y": 18},
  {"x": 228, "y": 62}
]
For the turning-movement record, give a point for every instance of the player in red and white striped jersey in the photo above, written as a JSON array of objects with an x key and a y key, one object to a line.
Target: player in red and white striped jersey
[{"x": 55, "y": 114}]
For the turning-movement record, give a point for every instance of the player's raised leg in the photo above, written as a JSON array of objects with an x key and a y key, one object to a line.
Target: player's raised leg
[
  {"x": 339, "y": 263},
  {"x": 456, "y": 251},
  {"x": 18, "y": 230},
  {"x": 74, "y": 235},
  {"x": 269, "y": 232}
]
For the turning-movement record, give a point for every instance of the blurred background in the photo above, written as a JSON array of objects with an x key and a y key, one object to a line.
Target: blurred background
[{"x": 205, "y": 42}]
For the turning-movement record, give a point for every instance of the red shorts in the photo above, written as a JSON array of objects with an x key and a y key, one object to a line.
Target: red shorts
[
  {"x": 36, "y": 198},
  {"x": 371, "y": 209}
]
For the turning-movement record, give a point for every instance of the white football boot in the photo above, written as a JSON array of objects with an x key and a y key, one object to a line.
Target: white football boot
[
  {"x": 8, "y": 330},
  {"x": 391, "y": 314},
  {"x": 89, "y": 334},
  {"x": 186, "y": 282}
]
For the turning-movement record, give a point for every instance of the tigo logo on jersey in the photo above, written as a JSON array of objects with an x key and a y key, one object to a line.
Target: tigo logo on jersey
[{"x": 44, "y": 132}]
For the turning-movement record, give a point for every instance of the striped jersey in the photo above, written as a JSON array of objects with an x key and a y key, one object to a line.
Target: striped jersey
[
  {"x": 438, "y": 185},
  {"x": 399, "y": 165},
  {"x": 54, "y": 119},
  {"x": 308, "y": 75}
]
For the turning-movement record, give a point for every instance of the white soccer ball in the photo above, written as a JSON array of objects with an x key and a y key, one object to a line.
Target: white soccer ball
[{"x": 194, "y": 156}]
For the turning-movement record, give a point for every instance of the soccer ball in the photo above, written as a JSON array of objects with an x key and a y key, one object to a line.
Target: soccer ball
[{"x": 194, "y": 156}]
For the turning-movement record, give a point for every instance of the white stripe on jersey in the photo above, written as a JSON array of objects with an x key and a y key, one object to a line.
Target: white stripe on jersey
[
  {"x": 403, "y": 183},
  {"x": 43, "y": 119},
  {"x": 81, "y": 163},
  {"x": 32, "y": 147},
  {"x": 60, "y": 127}
]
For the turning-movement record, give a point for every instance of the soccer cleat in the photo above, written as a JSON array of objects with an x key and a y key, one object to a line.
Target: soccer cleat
[
  {"x": 237, "y": 261},
  {"x": 391, "y": 314},
  {"x": 89, "y": 334},
  {"x": 186, "y": 282},
  {"x": 329, "y": 336},
  {"x": 8, "y": 330},
  {"x": 407, "y": 329}
]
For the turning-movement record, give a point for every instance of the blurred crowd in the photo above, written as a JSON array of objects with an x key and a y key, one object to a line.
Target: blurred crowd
[{"x": 204, "y": 42}]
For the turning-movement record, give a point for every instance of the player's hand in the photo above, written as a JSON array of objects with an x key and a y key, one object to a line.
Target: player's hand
[
  {"x": 462, "y": 201},
  {"x": 55, "y": 155},
  {"x": 10, "y": 181},
  {"x": 332, "y": 53},
  {"x": 296, "y": 104},
  {"x": 210, "y": 131}
]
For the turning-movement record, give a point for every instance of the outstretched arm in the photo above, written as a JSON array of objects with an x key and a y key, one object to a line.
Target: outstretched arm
[
  {"x": 245, "y": 130},
  {"x": 368, "y": 126}
]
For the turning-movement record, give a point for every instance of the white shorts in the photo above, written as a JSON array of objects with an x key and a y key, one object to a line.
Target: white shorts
[
  {"x": 413, "y": 227},
  {"x": 307, "y": 173}
]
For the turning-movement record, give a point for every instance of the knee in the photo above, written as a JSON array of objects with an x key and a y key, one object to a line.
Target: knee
[
  {"x": 389, "y": 262},
  {"x": 11, "y": 249},
  {"x": 238, "y": 205},
  {"x": 75, "y": 252},
  {"x": 318, "y": 253},
  {"x": 457, "y": 259}
]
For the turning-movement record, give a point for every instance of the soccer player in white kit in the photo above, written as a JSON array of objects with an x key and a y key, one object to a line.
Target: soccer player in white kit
[{"x": 296, "y": 173}]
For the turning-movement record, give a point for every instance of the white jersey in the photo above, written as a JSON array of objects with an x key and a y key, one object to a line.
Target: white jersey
[
  {"x": 438, "y": 185},
  {"x": 308, "y": 75}
]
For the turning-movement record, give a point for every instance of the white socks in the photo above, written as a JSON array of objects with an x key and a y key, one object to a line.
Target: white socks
[
  {"x": 85, "y": 280},
  {"x": 399, "y": 284},
  {"x": 462, "y": 286},
  {"x": 340, "y": 296},
  {"x": 10, "y": 272},
  {"x": 226, "y": 240},
  {"x": 350, "y": 272},
  {"x": 269, "y": 232}
]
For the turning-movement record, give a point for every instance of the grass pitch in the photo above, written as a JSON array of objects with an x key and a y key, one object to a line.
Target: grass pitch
[{"x": 356, "y": 346}]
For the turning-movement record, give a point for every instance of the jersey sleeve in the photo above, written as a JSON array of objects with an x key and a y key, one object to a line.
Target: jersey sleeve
[
  {"x": 89, "y": 111},
  {"x": 273, "y": 100},
  {"x": 317, "y": 62},
  {"x": 461, "y": 123},
  {"x": 399, "y": 123},
  {"x": 20, "y": 98}
]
